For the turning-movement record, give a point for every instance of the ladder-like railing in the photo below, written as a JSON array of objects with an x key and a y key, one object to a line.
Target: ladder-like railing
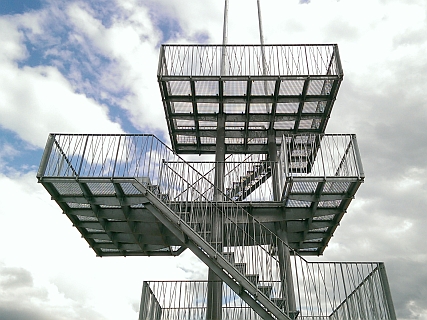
[
  {"x": 250, "y": 60},
  {"x": 325, "y": 290}
]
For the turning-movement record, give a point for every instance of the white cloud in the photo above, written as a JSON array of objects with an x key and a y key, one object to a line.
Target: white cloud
[
  {"x": 131, "y": 42},
  {"x": 37, "y": 100},
  {"x": 51, "y": 269}
]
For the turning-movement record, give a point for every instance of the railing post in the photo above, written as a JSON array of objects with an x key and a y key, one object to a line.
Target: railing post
[
  {"x": 387, "y": 291},
  {"x": 359, "y": 165},
  {"x": 321, "y": 155},
  {"x": 46, "y": 155},
  {"x": 143, "y": 306}
]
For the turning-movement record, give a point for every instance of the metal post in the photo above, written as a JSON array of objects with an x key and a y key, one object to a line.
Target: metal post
[
  {"x": 224, "y": 38},
  {"x": 387, "y": 291},
  {"x": 264, "y": 61},
  {"x": 214, "y": 306},
  {"x": 143, "y": 306},
  {"x": 214, "y": 299},
  {"x": 46, "y": 155},
  {"x": 281, "y": 231}
]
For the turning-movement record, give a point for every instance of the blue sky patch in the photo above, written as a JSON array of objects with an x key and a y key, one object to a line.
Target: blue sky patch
[
  {"x": 18, "y": 6},
  {"x": 16, "y": 154}
]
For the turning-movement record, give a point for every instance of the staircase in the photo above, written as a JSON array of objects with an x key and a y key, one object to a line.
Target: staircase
[
  {"x": 242, "y": 238},
  {"x": 254, "y": 176},
  {"x": 194, "y": 227},
  {"x": 132, "y": 195},
  {"x": 177, "y": 196}
]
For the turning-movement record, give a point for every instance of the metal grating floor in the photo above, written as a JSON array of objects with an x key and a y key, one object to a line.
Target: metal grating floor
[
  {"x": 113, "y": 217},
  {"x": 116, "y": 219},
  {"x": 291, "y": 89}
]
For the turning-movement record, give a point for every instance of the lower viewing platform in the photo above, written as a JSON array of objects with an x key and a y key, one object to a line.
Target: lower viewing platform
[
  {"x": 99, "y": 180},
  {"x": 323, "y": 291}
]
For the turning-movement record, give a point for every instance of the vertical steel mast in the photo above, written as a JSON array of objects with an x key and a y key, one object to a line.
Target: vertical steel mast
[
  {"x": 280, "y": 227},
  {"x": 214, "y": 300}
]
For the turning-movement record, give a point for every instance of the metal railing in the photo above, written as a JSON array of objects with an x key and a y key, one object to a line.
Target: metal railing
[
  {"x": 248, "y": 60},
  {"x": 325, "y": 291},
  {"x": 320, "y": 155},
  {"x": 150, "y": 307},
  {"x": 235, "y": 237},
  {"x": 246, "y": 177},
  {"x": 224, "y": 227}
]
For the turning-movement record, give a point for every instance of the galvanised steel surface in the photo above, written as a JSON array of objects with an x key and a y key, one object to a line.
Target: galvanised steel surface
[
  {"x": 257, "y": 89},
  {"x": 93, "y": 177},
  {"x": 324, "y": 291}
]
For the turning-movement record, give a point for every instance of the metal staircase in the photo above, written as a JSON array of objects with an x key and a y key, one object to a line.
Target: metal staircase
[
  {"x": 132, "y": 195},
  {"x": 253, "y": 176},
  {"x": 245, "y": 259},
  {"x": 250, "y": 219}
]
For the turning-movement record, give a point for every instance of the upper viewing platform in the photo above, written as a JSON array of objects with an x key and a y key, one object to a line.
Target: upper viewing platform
[{"x": 250, "y": 90}]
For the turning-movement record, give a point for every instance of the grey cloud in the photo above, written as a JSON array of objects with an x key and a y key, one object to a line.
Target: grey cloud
[
  {"x": 20, "y": 299},
  {"x": 12, "y": 278}
]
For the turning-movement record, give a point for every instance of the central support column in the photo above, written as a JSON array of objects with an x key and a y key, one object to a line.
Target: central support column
[
  {"x": 214, "y": 301},
  {"x": 281, "y": 231}
]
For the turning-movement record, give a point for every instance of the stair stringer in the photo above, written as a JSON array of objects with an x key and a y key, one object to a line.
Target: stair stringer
[
  {"x": 249, "y": 182},
  {"x": 243, "y": 287}
]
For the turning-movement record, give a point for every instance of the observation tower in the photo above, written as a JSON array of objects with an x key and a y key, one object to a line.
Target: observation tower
[{"x": 272, "y": 196}]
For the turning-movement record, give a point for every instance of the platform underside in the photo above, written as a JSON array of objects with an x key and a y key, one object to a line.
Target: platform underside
[
  {"x": 249, "y": 108},
  {"x": 113, "y": 217},
  {"x": 116, "y": 219}
]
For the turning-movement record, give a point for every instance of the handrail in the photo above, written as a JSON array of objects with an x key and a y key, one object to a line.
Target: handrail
[
  {"x": 137, "y": 156},
  {"x": 248, "y": 60},
  {"x": 140, "y": 156},
  {"x": 321, "y": 294}
]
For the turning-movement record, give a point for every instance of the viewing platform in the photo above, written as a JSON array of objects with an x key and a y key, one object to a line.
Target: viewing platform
[
  {"x": 100, "y": 183},
  {"x": 250, "y": 90}
]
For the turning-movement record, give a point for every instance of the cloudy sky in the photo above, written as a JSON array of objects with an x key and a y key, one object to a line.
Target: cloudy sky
[{"x": 90, "y": 67}]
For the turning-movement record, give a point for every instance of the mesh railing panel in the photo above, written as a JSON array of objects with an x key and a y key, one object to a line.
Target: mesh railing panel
[
  {"x": 247, "y": 60},
  {"x": 332, "y": 291},
  {"x": 320, "y": 155}
]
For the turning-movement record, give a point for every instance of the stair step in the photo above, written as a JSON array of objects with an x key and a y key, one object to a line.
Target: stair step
[
  {"x": 164, "y": 197},
  {"x": 154, "y": 188},
  {"x": 243, "y": 179},
  {"x": 266, "y": 290},
  {"x": 254, "y": 278},
  {"x": 229, "y": 256},
  {"x": 280, "y": 302},
  {"x": 241, "y": 267}
]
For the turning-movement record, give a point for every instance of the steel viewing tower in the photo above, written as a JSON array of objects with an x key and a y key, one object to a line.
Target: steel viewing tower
[{"x": 273, "y": 195}]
